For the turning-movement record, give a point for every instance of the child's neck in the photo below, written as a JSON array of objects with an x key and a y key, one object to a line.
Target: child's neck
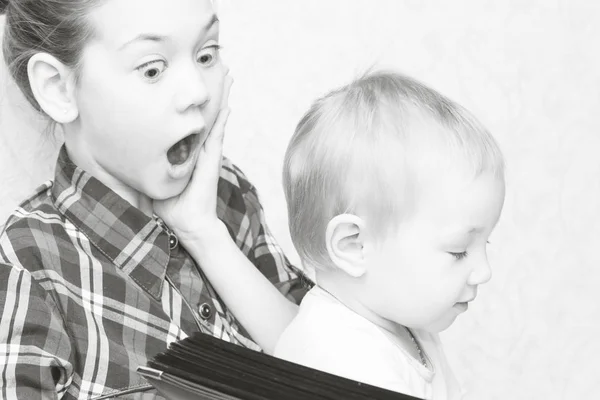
[{"x": 348, "y": 291}]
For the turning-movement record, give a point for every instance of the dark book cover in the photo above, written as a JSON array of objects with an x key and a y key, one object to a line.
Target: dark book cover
[{"x": 204, "y": 367}]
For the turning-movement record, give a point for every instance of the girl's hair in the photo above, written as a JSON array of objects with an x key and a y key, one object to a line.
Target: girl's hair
[
  {"x": 365, "y": 148},
  {"x": 57, "y": 27}
]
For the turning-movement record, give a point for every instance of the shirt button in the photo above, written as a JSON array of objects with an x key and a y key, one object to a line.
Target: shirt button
[
  {"x": 205, "y": 311},
  {"x": 173, "y": 241}
]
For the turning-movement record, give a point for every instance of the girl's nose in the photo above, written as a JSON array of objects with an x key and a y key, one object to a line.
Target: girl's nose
[{"x": 193, "y": 91}]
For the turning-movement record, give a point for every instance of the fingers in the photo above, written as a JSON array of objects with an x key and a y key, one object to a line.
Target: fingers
[
  {"x": 217, "y": 133},
  {"x": 208, "y": 165},
  {"x": 212, "y": 149},
  {"x": 227, "y": 82}
]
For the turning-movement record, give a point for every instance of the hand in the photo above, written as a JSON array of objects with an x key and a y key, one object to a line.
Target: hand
[{"x": 194, "y": 211}]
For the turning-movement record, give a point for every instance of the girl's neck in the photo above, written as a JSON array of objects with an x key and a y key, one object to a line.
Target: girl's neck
[
  {"x": 145, "y": 204},
  {"x": 89, "y": 165}
]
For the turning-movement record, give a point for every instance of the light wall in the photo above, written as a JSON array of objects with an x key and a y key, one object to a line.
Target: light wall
[{"x": 530, "y": 70}]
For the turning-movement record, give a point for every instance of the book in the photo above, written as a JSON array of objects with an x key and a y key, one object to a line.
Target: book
[{"x": 204, "y": 367}]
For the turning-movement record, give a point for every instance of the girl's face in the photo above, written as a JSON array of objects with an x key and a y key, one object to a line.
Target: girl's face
[{"x": 149, "y": 91}]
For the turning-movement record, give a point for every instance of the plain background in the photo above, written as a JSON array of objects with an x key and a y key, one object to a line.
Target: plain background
[{"x": 530, "y": 70}]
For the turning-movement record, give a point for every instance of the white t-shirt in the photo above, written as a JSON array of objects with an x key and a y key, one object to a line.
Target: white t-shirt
[{"x": 328, "y": 336}]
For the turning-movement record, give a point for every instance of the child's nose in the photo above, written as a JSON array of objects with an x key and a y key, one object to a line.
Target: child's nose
[{"x": 481, "y": 272}]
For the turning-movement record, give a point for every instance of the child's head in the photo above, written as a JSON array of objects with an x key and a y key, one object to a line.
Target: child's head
[
  {"x": 384, "y": 179},
  {"x": 135, "y": 84}
]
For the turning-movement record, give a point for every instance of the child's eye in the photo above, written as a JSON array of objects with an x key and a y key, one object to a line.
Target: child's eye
[
  {"x": 209, "y": 55},
  {"x": 459, "y": 256},
  {"x": 152, "y": 70}
]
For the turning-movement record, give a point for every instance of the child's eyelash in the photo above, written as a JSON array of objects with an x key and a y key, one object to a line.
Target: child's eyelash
[{"x": 459, "y": 256}]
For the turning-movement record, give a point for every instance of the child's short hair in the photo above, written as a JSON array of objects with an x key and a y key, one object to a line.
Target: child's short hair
[{"x": 362, "y": 149}]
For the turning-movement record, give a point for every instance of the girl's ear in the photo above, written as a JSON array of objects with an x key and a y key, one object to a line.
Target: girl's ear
[
  {"x": 346, "y": 243},
  {"x": 53, "y": 85}
]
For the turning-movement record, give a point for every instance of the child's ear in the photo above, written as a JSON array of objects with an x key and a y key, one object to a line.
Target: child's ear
[
  {"x": 345, "y": 243},
  {"x": 53, "y": 85}
]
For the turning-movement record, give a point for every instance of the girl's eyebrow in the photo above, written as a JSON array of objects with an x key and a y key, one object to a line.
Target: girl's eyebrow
[
  {"x": 153, "y": 37},
  {"x": 144, "y": 37}
]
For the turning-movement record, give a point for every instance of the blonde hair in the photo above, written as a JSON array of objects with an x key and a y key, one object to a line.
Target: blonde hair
[{"x": 357, "y": 151}]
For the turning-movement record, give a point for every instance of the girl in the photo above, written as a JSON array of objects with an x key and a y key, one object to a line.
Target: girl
[{"x": 146, "y": 234}]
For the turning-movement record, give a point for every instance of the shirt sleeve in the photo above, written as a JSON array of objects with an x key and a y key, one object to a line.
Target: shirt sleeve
[
  {"x": 239, "y": 207},
  {"x": 268, "y": 256},
  {"x": 34, "y": 346}
]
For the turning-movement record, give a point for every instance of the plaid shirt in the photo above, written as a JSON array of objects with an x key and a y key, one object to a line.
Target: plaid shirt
[{"x": 90, "y": 287}]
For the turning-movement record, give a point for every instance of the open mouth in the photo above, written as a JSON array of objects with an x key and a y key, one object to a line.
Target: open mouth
[{"x": 181, "y": 151}]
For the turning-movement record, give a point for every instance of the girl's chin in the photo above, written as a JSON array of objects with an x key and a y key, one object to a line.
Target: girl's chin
[{"x": 167, "y": 189}]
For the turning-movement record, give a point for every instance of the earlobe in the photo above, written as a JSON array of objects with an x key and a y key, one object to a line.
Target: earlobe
[
  {"x": 345, "y": 244},
  {"x": 52, "y": 84}
]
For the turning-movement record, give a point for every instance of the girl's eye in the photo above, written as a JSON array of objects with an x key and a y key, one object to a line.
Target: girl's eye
[
  {"x": 459, "y": 256},
  {"x": 209, "y": 55},
  {"x": 152, "y": 70}
]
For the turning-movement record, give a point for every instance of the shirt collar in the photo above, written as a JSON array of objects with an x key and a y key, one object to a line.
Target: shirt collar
[{"x": 131, "y": 239}]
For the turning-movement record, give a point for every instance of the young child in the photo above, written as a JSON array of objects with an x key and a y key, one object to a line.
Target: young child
[
  {"x": 92, "y": 282},
  {"x": 392, "y": 192}
]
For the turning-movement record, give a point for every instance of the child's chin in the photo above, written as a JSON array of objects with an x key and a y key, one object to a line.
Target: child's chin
[{"x": 440, "y": 325}]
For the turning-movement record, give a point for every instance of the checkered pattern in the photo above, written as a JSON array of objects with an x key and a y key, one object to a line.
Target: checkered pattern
[{"x": 89, "y": 289}]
